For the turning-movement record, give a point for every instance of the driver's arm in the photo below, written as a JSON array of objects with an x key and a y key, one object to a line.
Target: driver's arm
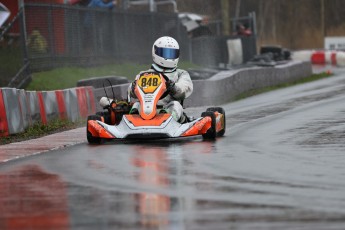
[
  {"x": 131, "y": 87},
  {"x": 183, "y": 86}
]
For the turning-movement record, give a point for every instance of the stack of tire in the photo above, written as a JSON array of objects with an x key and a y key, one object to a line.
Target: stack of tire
[
  {"x": 271, "y": 56},
  {"x": 99, "y": 82}
]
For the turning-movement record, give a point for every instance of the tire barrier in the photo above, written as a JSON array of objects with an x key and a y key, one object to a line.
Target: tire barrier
[
  {"x": 321, "y": 57},
  {"x": 340, "y": 58},
  {"x": 86, "y": 102},
  {"x": 61, "y": 104},
  {"x": 41, "y": 107},
  {"x": 20, "y": 109},
  {"x": 13, "y": 110},
  {"x": 82, "y": 104},
  {"x": 278, "y": 53},
  {"x": 3, "y": 117},
  {"x": 72, "y": 109},
  {"x": 24, "y": 105},
  {"x": 80, "y": 101},
  {"x": 50, "y": 105},
  {"x": 33, "y": 106},
  {"x": 90, "y": 99},
  {"x": 97, "y": 82}
]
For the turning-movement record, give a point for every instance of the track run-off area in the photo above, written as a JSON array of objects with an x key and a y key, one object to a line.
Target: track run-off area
[{"x": 280, "y": 165}]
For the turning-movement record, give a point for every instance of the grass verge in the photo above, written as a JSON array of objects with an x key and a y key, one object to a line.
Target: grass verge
[{"x": 64, "y": 78}]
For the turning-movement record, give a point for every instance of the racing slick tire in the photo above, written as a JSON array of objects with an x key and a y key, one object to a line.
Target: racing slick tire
[
  {"x": 222, "y": 111},
  {"x": 105, "y": 115},
  {"x": 91, "y": 139},
  {"x": 211, "y": 132}
]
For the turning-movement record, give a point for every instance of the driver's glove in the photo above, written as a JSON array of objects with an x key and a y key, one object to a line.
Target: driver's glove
[{"x": 170, "y": 85}]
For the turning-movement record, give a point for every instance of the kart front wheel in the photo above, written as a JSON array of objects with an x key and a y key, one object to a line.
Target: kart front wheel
[
  {"x": 91, "y": 139},
  {"x": 222, "y": 111},
  {"x": 211, "y": 132}
]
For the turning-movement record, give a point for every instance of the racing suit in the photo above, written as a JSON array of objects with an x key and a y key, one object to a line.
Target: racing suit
[{"x": 182, "y": 89}]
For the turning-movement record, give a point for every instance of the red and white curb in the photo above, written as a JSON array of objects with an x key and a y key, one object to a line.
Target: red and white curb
[{"x": 40, "y": 145}]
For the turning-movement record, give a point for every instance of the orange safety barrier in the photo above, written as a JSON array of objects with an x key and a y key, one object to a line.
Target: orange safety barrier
[{"x": 61, "y": 104}]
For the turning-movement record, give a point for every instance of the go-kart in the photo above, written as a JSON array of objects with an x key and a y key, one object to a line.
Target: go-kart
[{"x": 116, "y": 122}]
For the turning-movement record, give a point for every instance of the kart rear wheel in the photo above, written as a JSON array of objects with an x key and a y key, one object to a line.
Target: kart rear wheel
[
  {"x": 91, "y": 139},
  {"x": 105, "y": 115},
  {"x": 222, "y": 111},
  {"x": 211, "y": 132}
]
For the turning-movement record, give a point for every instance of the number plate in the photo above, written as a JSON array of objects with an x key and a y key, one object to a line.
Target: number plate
[{"x": 149, "y": 82}]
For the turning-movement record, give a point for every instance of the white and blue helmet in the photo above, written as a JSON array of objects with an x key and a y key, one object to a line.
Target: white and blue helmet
[{"x": 166, "y": 52}]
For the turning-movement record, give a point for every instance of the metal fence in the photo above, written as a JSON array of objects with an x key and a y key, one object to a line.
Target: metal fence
[
  {"x": 72, "y": 35},
  {"x": 89, "y": 36},
  {"x": 212, "y": 51},
  {"x": 14, "y": 65},
  {"x": 57, "y": 35}
]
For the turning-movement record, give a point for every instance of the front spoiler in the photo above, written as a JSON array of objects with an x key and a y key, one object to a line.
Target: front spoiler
[{"x": 162, "y": 126}]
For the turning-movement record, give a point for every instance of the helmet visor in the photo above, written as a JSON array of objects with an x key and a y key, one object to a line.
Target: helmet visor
[{"x": 167, "y": 53}]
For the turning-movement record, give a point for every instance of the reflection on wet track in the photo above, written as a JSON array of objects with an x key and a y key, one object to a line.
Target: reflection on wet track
[{"x": 279, "y": 166}]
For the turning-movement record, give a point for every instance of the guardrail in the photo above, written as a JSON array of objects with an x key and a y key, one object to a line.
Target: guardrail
[
  {"x": 20, "y": 109},
  {"x": 333, "y": 57}
]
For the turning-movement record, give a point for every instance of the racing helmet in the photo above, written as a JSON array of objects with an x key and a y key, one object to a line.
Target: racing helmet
[{"x": 166, "y": 52}]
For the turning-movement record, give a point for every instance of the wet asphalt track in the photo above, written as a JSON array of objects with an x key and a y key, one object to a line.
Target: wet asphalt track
[{"x": 279, "y": 166}]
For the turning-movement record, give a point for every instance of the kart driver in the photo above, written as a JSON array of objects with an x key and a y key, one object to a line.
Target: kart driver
[{"x": 165, "y": 55}]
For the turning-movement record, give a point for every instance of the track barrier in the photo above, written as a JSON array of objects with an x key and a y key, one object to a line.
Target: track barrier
[
  {"x": 3, "y": 117},
  {"x": 340, "y": 58},
  {"x": 20, "y": 109},
  {"x": 321, "y": 57},
  {"x": 42, "y": 108},
  {"x": 50, "y": 105},
  {"x": 33, "y": 106},
  {"x": 82, "y": 104},
  {"x": 72, "y": 108},
  {"x": 60, "y": 99},
  {"x": 24, "y": 108},
  {"x": 318, "y": 57},
  {"x": 13, "y": 110},
  {"x": 90, "y": 98}
]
